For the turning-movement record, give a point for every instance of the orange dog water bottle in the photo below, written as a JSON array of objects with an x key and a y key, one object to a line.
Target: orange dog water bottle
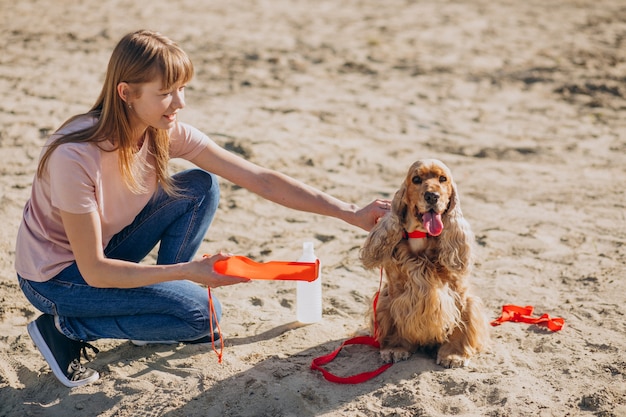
[{"x": 309, "y": 294}]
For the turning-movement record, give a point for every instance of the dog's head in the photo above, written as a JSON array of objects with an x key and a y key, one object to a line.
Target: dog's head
[
  {"x": 428, "y": 201},
  {"x": 426, "y": 195}
]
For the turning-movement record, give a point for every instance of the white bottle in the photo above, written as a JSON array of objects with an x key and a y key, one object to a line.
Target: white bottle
[{"x": 309, "y": 294}]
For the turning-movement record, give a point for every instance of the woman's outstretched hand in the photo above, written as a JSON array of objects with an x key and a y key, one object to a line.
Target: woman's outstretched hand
[{"x": 366, "y": 217}]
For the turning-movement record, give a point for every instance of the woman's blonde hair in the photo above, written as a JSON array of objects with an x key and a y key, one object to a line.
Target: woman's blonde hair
[{"x": 139, "y": 57}]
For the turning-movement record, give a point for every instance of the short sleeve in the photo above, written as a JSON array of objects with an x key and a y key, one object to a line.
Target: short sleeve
[
  {"x": 186, "y": 141},
  {"x": 72, "y": 170}
]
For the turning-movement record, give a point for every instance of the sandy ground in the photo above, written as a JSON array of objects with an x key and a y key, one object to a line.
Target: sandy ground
[{"x": 524, "y": 100}]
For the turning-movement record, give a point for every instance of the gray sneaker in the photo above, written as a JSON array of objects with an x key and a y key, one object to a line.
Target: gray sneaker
[
  {"x": 61, "y": 353},
  {"x": 202, "y": 340}
]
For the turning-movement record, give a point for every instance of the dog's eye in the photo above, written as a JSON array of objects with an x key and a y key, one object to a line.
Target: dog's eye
[
  {"x": 442, "y": 179},
  {"x": 416, "y": 180}
]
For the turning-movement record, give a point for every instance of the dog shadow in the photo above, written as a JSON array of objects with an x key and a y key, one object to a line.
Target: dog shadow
[{"x": 286, "y": 384}]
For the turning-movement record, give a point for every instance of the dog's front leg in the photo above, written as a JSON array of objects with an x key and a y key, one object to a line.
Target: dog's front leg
[
  {"x": 452, "y": 354},
  {"x": 466, "y": 340},
  {"x": 392, "y": 345}
]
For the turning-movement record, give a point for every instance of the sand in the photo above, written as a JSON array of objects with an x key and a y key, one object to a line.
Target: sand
[{"x": 524, "y": 100}]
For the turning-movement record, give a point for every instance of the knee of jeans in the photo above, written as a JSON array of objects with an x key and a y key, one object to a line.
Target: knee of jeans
[
  {"x": 197, "y": 176},
  {"x": 209, "y": 323},
  {"x": 216, "y": 313},
  {"x": 212, "y": 189},
  {"x": 204, "y": 184}
]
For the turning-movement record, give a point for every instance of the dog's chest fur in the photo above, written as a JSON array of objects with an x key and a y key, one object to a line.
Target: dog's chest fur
[
  {"x": 423, "y": 297},
  {"x": 417, "y": 245}
]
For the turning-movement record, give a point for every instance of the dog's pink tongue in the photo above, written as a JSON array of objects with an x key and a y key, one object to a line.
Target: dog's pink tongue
[{"x": 432, "y": 223}]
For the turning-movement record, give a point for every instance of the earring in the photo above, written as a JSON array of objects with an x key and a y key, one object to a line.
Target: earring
[{"x": 130, "y": 106}]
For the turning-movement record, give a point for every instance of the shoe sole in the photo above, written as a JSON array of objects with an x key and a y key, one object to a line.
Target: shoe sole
[
  {"x": 153, "y": 342},
  {"x": 40, "y": 343},
  {"x": 202, "y": 341}
]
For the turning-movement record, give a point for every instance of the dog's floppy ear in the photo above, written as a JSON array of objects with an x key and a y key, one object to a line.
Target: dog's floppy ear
[
  {"x": 456, "y": 241},
  {"x": 454, "y": 207},
  {"x": 399, "y": 204},
  {"x": 386, "y": 234}
]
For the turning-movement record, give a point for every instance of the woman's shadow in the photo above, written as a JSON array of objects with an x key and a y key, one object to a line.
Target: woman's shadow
[{"x": 281, "y": 384}]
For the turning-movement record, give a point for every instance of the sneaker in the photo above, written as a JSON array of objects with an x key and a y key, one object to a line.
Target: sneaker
[
  {"x": 205, "y": 339},
  {"x": 153, "y": 342},
  {"x": 62, "y": 353}
]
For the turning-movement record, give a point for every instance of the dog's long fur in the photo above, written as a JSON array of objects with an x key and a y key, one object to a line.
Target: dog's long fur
[{"x": 426, "y": 301}]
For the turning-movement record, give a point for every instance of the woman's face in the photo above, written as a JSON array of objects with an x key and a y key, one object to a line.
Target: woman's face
[{"x": 155, "y": 107}]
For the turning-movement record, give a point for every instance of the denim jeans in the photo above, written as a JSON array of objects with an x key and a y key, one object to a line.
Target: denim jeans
[{"x": 173, "y": 310}]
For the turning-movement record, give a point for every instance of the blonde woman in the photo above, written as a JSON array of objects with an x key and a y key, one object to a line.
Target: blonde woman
[{"x": 102, "y": 199}]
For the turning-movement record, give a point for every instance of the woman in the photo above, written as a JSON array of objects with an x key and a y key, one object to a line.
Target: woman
[{"x": 102, "y": 199}]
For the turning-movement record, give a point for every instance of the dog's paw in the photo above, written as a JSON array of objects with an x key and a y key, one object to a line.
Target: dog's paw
[
  {"x": 394, "y": 355},
  {"x": 452, "y": 361}
]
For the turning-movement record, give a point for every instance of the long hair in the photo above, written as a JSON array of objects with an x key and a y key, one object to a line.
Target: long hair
[{"x": 139, "y": 57}]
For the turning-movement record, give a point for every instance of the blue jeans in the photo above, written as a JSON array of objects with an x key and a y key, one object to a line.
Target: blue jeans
[{"x": 174, "y": 310}]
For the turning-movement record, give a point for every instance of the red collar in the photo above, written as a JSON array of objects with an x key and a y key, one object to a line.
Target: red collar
[{"x": 415, "y": 235}]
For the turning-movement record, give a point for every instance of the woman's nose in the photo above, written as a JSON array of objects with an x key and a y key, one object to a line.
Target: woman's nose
[{"x": 179, "y": 100}]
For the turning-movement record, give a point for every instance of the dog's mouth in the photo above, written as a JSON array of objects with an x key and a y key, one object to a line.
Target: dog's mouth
[{"x": 431, "y": 221}]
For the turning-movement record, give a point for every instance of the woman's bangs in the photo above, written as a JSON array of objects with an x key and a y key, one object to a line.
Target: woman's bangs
[{"x": 177, "y": 68}]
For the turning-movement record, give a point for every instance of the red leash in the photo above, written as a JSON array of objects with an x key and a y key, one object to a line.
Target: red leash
[
  {"x": 317, "y": 363},
  {"x": 213, "y": 314},
  {"x": 353, "y": 379},
  {"x": 524, "y": 315}
]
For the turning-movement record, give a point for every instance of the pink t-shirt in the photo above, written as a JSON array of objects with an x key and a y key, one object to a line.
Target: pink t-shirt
[{"x": 82, "y": 178}]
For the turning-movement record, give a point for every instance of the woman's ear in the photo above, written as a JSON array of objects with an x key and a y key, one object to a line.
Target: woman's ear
[{"x": 124, "y": 91}]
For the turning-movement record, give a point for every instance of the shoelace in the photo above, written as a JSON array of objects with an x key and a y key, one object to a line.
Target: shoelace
[
  {"x": 76, "y": 370},
  {"x": 83, "y": 350}
]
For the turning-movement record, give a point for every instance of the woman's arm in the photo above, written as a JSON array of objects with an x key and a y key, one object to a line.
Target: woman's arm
[
  {"x": 84, "y": 234},
  {"x": 285, "y": 190}
]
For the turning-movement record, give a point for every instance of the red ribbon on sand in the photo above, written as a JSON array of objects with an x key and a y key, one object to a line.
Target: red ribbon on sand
[{"x": 520, "y": 314}]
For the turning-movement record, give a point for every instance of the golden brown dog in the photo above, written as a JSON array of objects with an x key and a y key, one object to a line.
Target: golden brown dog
[{"x": 424, "y": 246}]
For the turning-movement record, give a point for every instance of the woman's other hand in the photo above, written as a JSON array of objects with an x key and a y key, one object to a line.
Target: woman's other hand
[{"x": 203, "y": 272}]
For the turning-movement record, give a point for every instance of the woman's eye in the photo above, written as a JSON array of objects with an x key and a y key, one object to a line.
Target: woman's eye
[
  {"x": 169, "y": 93},
  {"x": 442, "y": 179},
  {"x": 416, "y": 180}
]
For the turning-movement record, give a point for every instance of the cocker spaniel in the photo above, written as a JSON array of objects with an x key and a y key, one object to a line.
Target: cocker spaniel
[{"x": 424, "y": 245}]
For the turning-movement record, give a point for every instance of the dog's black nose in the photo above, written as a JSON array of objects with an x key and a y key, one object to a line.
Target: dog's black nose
[{"x": 431, "y": 198}]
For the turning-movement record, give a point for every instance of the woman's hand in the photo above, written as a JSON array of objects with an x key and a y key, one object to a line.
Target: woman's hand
[
  {"x": 366, "y": 217},
  {"x": 203, "y": 272}
]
